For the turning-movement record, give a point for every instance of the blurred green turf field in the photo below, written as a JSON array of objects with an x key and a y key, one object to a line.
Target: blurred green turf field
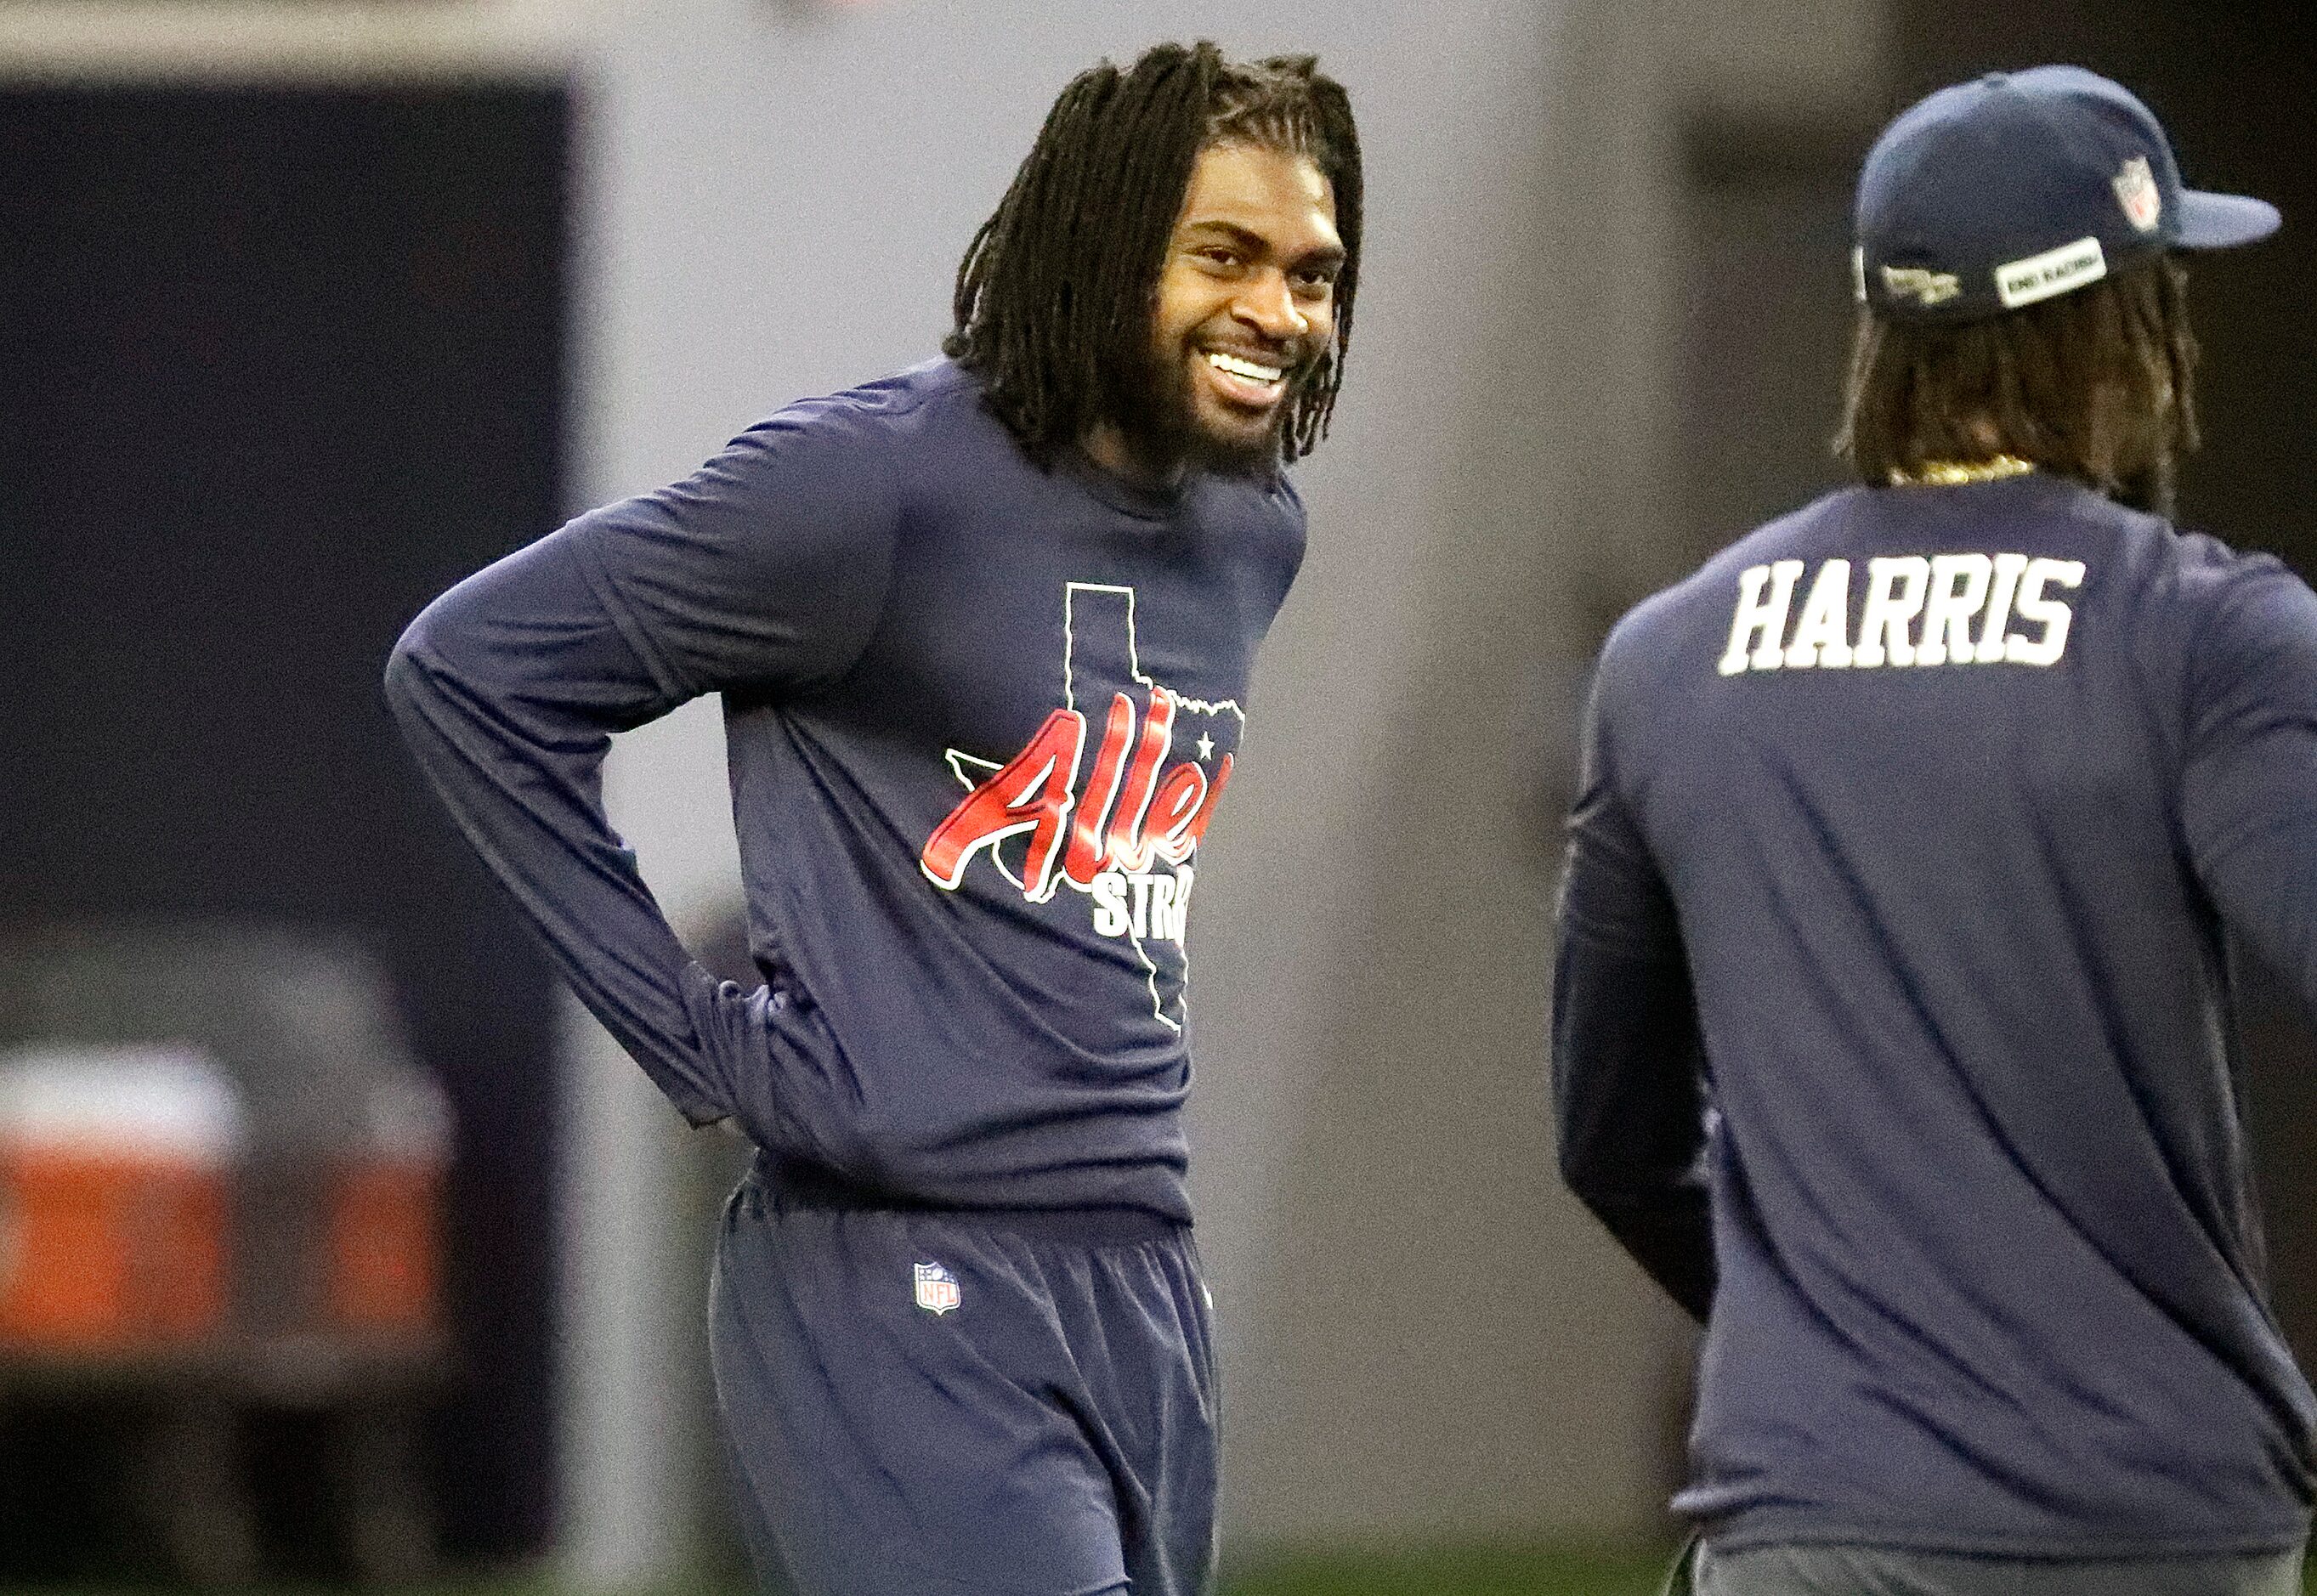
[
  {"x": 1466, "y": 1571},
  {"x": 1461, "y": 1573},
  {"x": 1471, "y": 1572}
]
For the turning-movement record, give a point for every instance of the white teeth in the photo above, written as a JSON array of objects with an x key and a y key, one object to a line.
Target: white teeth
[{"x": 1239, "y": 368}]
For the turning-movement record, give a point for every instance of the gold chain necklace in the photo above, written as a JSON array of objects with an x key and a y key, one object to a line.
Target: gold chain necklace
[{"x": 1956, "y": 473}]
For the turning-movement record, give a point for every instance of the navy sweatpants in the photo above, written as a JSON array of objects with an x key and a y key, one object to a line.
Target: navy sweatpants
[{"x": 940, "y": 1402}]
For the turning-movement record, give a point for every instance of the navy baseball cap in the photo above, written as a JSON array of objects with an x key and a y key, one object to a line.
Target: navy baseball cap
[{"x": 2019, "y": 186}]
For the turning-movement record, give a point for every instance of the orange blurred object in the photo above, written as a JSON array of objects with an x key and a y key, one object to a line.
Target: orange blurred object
[
  {"x": 109, "y": 1253},
  {"x": 384, "y": 1271},
  {"x": 114, "y": 1204}
]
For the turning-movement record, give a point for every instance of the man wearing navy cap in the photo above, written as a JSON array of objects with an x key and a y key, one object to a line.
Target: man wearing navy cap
[{"x": 1893, "y": 1026}]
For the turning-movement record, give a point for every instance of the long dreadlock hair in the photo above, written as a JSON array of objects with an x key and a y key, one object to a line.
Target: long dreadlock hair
[
  {"x": 2096, "y": 385},
  {"x": 1055, "y": 294}
]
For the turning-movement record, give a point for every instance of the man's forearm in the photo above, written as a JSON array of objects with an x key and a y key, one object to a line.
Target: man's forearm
[{"x": 508, "y": 692}]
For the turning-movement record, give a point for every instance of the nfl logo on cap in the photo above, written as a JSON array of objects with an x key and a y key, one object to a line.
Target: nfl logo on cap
[
  {"x": 936, "y": 1289},
  {"x": 2137, "y": 190}
]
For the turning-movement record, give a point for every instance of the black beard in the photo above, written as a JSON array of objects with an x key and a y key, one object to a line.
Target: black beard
[{"x": 1161, "y": 425}]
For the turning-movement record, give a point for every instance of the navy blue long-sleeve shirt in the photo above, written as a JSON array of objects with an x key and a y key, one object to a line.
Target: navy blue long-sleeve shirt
[
  {"x": 1912, "y": 831},
  {"x": 978, "y": 716}
]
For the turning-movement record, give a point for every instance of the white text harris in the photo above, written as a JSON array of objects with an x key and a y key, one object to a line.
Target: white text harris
[{"x": 1939, "y": 609}]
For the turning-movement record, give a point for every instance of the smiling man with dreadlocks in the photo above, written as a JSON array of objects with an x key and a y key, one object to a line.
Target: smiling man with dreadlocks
[
  {"x": 1912, "y": 830},
  {"x": 983, "y": 632}
]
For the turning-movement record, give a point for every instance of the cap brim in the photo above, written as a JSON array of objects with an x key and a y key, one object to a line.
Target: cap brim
[{"x": 2221, "y": 221}]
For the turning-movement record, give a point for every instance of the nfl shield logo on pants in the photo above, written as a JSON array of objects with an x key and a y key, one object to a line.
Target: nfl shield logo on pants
[{"x": 936, "y": 1289}]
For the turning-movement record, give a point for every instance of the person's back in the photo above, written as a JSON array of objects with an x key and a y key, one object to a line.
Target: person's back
[
  {"x": 1981, "y": 1208},
  {"x": 1938, "y": 796}
]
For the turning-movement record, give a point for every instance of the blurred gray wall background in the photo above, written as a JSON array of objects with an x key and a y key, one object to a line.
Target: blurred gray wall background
[{"x": 1590, "y": 330}]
